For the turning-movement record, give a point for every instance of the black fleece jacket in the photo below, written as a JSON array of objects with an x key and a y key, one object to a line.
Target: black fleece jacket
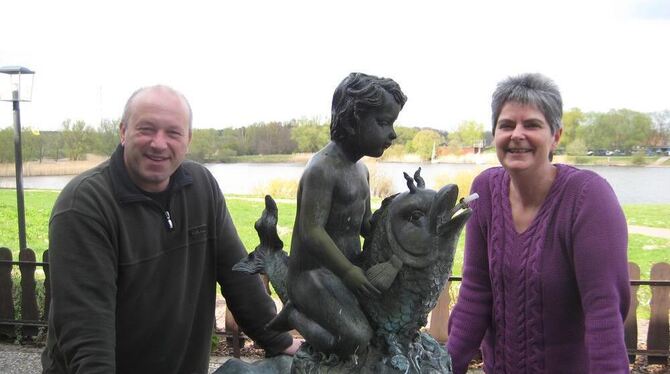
[{"x": 133, "y": 284}]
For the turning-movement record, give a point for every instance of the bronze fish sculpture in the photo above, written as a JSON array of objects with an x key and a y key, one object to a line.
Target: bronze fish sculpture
[{"x": 408, "y": 255}]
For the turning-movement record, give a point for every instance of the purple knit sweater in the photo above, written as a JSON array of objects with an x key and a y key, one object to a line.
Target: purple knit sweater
[{"x": 553, "y": 298}]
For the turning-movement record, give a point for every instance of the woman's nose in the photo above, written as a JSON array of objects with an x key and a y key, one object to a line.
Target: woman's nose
[{"x": 518, "y": 132}]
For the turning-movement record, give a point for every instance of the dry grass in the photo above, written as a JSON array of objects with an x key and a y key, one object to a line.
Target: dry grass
[{"x": 53, "y": 167}]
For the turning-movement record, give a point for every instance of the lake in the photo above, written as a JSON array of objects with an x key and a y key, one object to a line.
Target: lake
[{"x": 632, "y": 185}]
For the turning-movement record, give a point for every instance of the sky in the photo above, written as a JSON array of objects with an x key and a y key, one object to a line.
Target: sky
[{"x": 240, "y": 62}]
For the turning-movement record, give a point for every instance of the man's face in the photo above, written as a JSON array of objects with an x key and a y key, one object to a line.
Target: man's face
[
  {"x": 375, "y": 127},
  {"x": 156, "y": 138}
]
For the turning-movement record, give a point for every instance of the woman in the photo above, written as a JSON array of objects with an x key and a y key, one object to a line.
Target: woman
[{"x": 545, "y": 281}]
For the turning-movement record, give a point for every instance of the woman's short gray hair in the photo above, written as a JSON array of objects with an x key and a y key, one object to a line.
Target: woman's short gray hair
[{"x": 530, "y": 89}]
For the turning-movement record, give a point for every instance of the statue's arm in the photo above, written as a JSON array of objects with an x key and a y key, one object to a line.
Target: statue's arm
[
  {"x": 366, "y": 227},
  {"x": 315, "y": 203}
]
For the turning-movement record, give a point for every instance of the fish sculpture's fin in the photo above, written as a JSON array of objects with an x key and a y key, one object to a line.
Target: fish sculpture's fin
[{"x": 383, "y": 274}]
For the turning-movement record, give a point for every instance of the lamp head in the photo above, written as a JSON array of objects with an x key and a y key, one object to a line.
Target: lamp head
[{"x": 16, "y": 83}]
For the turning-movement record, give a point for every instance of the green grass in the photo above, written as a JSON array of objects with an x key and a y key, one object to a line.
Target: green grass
[
  {"x": 245, "y": 210},
  {"x": 652, "y": 215},
  {"x": 38, "y": 206}
]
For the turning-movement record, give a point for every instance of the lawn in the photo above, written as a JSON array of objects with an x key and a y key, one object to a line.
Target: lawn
[
  {"x": 245, "y": 210},
  {"x": 652, "y": 215}
]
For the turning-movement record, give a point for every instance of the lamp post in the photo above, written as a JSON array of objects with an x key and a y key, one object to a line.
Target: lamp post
[{"x": 16, "y": 88}]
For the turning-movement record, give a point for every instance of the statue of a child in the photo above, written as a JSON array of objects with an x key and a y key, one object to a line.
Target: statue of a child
[{"x": 333, "y": 212}]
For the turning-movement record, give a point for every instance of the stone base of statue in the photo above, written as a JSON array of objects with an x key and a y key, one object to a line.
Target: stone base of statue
[{"x": 426, "y": 356}]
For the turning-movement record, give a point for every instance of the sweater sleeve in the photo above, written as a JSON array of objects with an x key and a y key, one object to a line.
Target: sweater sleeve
[
  {"x": 83, "y": 271},
  {"x": 245, "y": 294},
  {"x": 471, "y": 315},
  {"x": 600, "y": 243}
]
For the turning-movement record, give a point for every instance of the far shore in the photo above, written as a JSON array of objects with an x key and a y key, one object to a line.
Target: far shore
[{"x": 50, "y": 167}]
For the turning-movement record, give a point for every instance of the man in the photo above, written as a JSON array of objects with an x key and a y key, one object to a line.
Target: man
[{"x": 137, "y": 246}]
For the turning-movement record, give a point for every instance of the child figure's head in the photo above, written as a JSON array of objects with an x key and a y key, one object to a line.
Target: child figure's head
[{"x": 362, "y": 101}]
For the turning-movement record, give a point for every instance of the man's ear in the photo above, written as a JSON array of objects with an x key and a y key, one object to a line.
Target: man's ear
[{"x": 122, "y": 133}]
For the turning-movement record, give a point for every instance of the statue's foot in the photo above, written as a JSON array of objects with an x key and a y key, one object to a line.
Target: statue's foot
[{"x": 281, "y": 321}]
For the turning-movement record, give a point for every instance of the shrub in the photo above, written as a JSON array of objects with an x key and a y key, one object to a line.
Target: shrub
[
  {"x": 463, "y": 180},
  {"x": 279, "y": 188},
  {"x": 380, "y": 184},
  {"x": 638, "y": 159}
]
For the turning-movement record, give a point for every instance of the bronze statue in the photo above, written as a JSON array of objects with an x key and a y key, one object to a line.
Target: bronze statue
[
  {"x": 333, "y": 212},
  {"x": 408, "y": 255},
  {"x": 360, "y": 311}
]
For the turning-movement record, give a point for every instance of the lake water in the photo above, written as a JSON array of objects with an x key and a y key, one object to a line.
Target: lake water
[{"x": 631, "y": 184}]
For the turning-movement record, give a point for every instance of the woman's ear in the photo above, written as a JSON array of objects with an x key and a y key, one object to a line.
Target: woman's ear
[{"x": 557, "y": 138}]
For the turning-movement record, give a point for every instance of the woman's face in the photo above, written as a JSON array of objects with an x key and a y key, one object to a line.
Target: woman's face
[{"x": 523, "y": 138}]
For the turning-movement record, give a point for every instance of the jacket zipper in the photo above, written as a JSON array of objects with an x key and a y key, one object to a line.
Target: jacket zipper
[{"x": 169, "y": 220}]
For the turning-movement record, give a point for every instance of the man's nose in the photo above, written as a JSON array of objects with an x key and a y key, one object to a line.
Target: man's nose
[{"x": 159, "y": 140}]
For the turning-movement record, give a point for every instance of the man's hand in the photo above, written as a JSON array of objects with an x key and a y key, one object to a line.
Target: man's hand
[{"x": 293, "y": 348}]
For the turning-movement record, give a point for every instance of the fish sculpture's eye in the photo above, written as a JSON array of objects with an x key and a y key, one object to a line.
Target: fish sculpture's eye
[{"x": 416, "y": 215}]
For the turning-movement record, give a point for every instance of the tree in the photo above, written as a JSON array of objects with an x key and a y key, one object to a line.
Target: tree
[
  {"x": 468, "y": 134},
  {"x": 53, "y": 144},
  {"x": 424, "y": 141},
  {"x": 107, "y": 136},
  {"x": 660, "y": 135},
  {"x": 310, "y": 137},
  {"x": 77, "y": 137},
  {"x": 621, "y": 129},
  {"x": 32, "y": 145},
  {"x": 270, "y": 138},
  {"x": 404, "y": 134},
  {"x": 7, "y": 144},
  {"x": 572, "y": 120},
  {"x": 576, "y": 148},
  {"x": 204, "y": 145}
]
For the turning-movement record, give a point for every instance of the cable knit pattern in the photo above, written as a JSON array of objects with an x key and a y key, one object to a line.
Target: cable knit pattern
[
  {"x": 498, "y": 237},
  {"x": 551, "y": 288}
]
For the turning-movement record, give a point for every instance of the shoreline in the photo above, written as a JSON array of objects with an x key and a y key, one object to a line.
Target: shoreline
[{"x": 65, "y": 167}]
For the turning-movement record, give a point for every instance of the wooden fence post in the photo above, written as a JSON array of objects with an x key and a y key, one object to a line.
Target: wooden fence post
[
  {"x": 630, "y": 325},
  {"x": 29, "y": 310},
  {"x": 439, "y": 317},
  {"x": 6, "y": 296},
  {"x": 233, "y": 333},
  {"x": 658, "y": 337}
]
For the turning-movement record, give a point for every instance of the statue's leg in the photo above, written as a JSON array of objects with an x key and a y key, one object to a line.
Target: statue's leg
[
  {"x": 321, "y": 339},
  {"x": 324, "y": 301}
]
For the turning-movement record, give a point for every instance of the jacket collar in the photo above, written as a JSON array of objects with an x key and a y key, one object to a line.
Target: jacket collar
[{"x": 126, "y": 191}]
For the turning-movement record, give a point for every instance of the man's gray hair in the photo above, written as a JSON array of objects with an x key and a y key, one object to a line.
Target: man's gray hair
[
  {"x": 128, "y": 108},
  {"x": 529, "y": 89}
]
